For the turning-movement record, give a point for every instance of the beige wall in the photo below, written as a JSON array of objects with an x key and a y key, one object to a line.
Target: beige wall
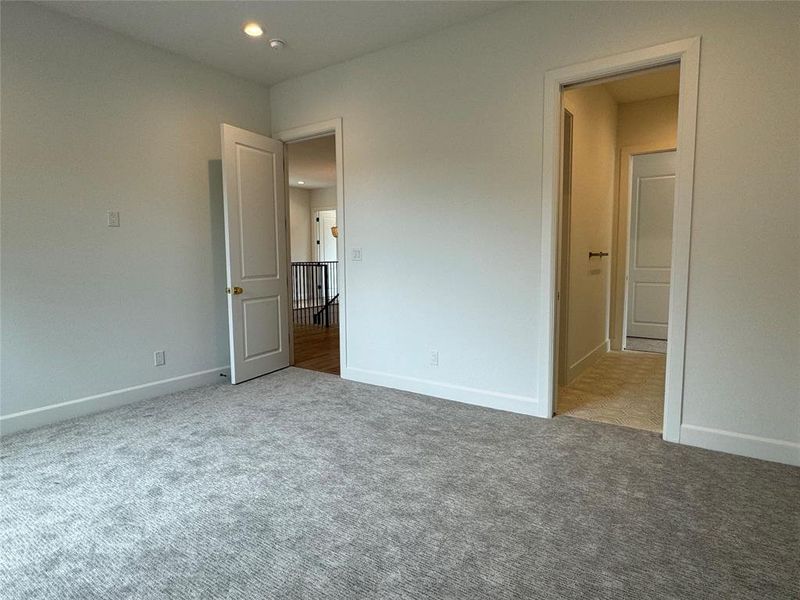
[
  {"x": 300, "y": 224},
  {"x": 593, "y": 159},
  {"x": 322, "y": 198},
  {"x": 651, "y": 122},
  {"x": 645, "y": 126}
]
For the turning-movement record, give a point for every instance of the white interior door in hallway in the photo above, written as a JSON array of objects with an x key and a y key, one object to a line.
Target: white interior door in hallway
[
  {"x": 324, "y": 222},
  {"x": 650, "y": 247},
  {"x": 255, "y": 234}
]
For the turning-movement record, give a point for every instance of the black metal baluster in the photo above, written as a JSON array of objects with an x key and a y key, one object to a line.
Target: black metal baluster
[
  {"x": 325, "y": 286},
  {"x": 315, "y": 270},
  {"x": 305, "y": 294}
]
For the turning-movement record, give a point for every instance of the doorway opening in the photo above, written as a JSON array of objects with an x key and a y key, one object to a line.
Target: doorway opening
[
  {"x": 618, "y": 141},
  {"x": 265, "y": 297},
  {"x": 313, "y": 233}
]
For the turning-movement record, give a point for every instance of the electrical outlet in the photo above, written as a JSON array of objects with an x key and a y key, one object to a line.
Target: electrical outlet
[
  {"x": 434, "y": 358},
  {"x": 113, "y": 218},
  {"x": 159, "y": 358},
  {"x": 356, "y": 253}
]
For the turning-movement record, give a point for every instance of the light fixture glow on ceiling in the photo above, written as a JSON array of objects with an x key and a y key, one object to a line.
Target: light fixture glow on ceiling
[
  {"x": 301, "y": 183},
  {"x": 253, "y": 30}
]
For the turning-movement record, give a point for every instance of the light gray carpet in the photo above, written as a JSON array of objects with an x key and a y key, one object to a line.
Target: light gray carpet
[{"x": 301, "y": 485}]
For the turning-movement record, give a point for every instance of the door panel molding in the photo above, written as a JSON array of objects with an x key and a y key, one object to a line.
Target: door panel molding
[
  {"x": 255, "y": 211},
  {"x": 649, "y": 241}
]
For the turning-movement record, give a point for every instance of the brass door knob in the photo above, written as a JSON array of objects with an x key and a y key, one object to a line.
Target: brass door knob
[{"x": 235, "y": 291}]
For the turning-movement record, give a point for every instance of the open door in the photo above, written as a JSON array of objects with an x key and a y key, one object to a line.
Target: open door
[{"x": 255, "y": 236}]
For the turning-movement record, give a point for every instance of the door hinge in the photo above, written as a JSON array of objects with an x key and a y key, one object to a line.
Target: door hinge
[
  {"x": 317, "y": 219},
  {"x": 317, "y": 242}
]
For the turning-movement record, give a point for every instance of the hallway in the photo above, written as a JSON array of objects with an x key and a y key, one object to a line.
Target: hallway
[
  {"x": 317, "y": 348},
  {"x": 622, "y": 388}
]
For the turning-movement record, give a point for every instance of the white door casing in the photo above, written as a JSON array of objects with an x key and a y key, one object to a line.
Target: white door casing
[
  {"x": 304, "y": 132},
  {"x": 562, "y": 308},
  {"x": 652, "y": 195},
  {"x": 324, "y": 220},
  {"x": 687, "y": 53},
  {"x": 255, "y": 237}
]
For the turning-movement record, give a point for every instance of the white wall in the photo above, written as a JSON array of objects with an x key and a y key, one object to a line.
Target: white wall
[
  {"x": 323, "y": 198},
  {"x": 300, "y": 224},
  {"x": 93, "y": 121},
  {"x": 594, "y": 137},
  {"x": 442, "y": 160}
]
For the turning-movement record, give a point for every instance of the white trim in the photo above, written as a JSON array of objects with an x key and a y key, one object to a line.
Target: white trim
[
  {"x": 587, "y": 361},
  {"x": 307, "y": 132},
  {"x": 458, "y": 393},
  {"x": 741, "y": 443},
  {"x": 627, "y": 257},
  {"x": 687, "y": 52},
  {"x": 45, "y": 415}
]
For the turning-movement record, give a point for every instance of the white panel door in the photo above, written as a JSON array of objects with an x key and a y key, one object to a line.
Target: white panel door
[
  {"x": 255, "y": 235},
  {"x": 326, "y": 244},
  {"x": 650, "y": 247}
]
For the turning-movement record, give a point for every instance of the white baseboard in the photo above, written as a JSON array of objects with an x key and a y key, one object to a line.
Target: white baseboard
[
  {"x": 498, "y": 400},
  {"x": 741, "y": 443},
  {"x": 45, "y": 415},
  {"x": 587, "y": 361}
]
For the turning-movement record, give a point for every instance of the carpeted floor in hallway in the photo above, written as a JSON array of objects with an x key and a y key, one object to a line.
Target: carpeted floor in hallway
[{"x": 303, "y": 485}]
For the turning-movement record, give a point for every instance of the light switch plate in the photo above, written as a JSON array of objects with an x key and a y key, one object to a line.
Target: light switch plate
[
  {"x": 159, "y": 358},
  {"x": 113, "y": 218},
  {"x": 356, "y": 253}
]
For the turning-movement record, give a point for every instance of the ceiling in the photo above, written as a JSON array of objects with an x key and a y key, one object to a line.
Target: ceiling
[
  {"x": 313, "y": 162},
  {"x": 318, "y": 34},
  {"x": 655, "y": 83}
]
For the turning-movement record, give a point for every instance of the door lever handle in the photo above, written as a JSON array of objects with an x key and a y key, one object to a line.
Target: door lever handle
[
  {"x": 600, "y": 254},
  {"x": 236, "y": 290}
]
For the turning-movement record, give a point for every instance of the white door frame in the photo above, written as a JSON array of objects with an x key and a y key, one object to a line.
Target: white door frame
[
  {"x": 563, "y": 270},
  {"x": 307, "y": 132},
  {"x": 687, "y": 53}
]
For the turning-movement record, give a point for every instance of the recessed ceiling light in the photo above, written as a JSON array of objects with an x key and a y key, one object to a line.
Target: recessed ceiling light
[
  {"x": 276, "y": 44},
  {"x": 253, "y": 30},
  {"x": 301, "y": 183}
]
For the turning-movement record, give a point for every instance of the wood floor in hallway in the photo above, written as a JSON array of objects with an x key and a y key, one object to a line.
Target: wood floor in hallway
[
  {"x": 317, "y": 348},
  {"x": 623, "y": 388}
]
